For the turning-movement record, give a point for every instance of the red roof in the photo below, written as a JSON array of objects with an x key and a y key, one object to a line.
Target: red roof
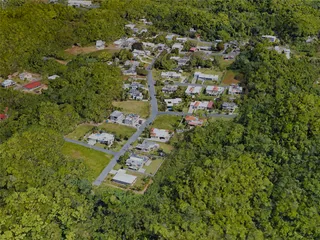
[
  {"x": 210, "y": 104},
  {"x": 3, "y": 116},
  {"x": 32, "y": 85},
  {"x": 193, "y": 49}
]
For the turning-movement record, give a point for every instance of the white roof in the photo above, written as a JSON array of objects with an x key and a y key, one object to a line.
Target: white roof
[
  {"x": 53, "y": 77},
  {"x": 192, "y": 89},
  {"x": 7, "y": 82},
  {"x": 177, "y": 45},
  {"x": 214, "y": 88},
  {"x": 206, "y": 76},
  {"x": 123, "y": 177},
  {"x": 101, "y": 136},
  {"x": 160, "y": 132},
  {"x": 171, "y": 102},
  {"x": 199, "y": 104}
]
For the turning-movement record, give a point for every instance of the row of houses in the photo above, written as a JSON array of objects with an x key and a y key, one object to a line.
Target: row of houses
[
  {"x": 234, "y": 89},
  {"x": 131, "y": 119}
]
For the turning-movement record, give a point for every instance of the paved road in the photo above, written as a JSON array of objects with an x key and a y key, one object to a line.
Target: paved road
[
  {"x": 89, "y": 146},
  {"x": 136, "y": 135}
]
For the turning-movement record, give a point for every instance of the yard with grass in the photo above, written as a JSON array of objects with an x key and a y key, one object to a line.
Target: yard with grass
[
  {"x": 138, "y": 107},
  {"x": 118, "y": 130},
  {"x": 154, "y": 166},
  {"x": 166, "y": 122},
  {"x": 166, "y": 147},
  {"x": 229, "y": 78},
  {"x": 94, "y": 160},
  {"x": 80, "y": 131}
]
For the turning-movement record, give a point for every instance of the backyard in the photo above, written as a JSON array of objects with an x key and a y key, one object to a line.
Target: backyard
[
  {"x": 94, "y": 160},
  {"x": 154, "y": 166},
  {"x": 141, "y": 108},
  {"x": 117, "y": 129},
  {"x": 229, "y": 78},
  {"x": 166, "y": 122},
  {"x": 80, "y": 131}
]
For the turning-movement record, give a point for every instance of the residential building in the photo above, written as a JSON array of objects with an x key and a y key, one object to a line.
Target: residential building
[
  {"x": 214, "y": 90},
  {"x": 230, "y": 106},
  {"x": 183, "y": 61},
  {"x": 161, "y": 46},
  {"x": 103, "y": 138},
  {"x": 100, "y": 45},
  {"x": 193, "y": 90},
  {"x": 123, "y": 178},
  {"x": 270, "y": 38},
  {"x": 149, "y": 45},
  {"x": 124, "y": 43},
  {"x": 32, "y": 86},
  {"x": 182, "y": 39},
  {"x": 136, "y": 162},
  {"x": 79, "y": 3},
  {"x": 147, "y": 146},
  {"x": 178, "y": 46},
  {"x": 193, "y": 49},
  {"x": 169, "y": 88},
  {"x": 117, "y": 117},
  {"x": 193, "y": 121},
  {"x": 25, "y": 76},
  {"x": 8, "y": 83},
  {"x": 172, "y": 102},
  {"x": 197, "y": 105},
  {"x": 205, "y": 48},
  {"x": 53, "y": 77},
  {"x": 142, "y": 53},
  {"x": 284, "y": 50},
  {"x": 170, "y": 75},
  {"x": 135, "y": 94},
  {"x": 131, "y": 119},
  {"x": 205, "y": 77},
  {"x": 192, "y": 30},
  {"x": 235, "y": 89},
  {"x": 130, "y": 25},
  {"x": 160, "y": 135},
  {"x": 170, "y": 37},
  {"x": 4, "y": 115},
  {"x": 132, "y": 67}
]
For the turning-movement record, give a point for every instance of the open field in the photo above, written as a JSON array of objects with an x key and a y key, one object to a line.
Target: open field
[
  {"x": 166, "y": 122},
  {"x": 90, "y": 49},
  {"x": 166, "y": 147},
  {"x": 94, "y": 160},
  {"x": 154, "y": 166},
  {"x": 138, "y": 107},
  {"x": 117, "y": 129},
  {"x": 229, "y": 78},
  {"x": 80, "y": 131}
]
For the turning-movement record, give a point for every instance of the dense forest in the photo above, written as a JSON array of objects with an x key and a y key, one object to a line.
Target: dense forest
[{"x": 256, "y": 177}]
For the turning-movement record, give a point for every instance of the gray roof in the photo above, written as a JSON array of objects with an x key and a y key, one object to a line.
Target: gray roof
[{"x": 116, "y": 114}]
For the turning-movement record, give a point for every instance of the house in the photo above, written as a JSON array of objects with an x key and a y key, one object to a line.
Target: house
[
  {"x": 160, "y": 135},
  {"x": 124, "y": 43},
  {"x": 193, "y": 90},
  {"x": 193, "y": 49},
  {"x": 123, "y": 178},
  {"x": 193, "y": 121},
  {"x": 4, "y": 115},
  {"x": 130, "y": 25},
  {"x": 172, "y": 102},
  {"x": 178, "y": 46},
  {"x": 53, "y": 77},
  {"x": 161, "y": 46},
  {"x": 235, "y": 89},
  {"x": 131, "y": 119},
  {"x": 192, "y": 30},
  {"x": 117, "y": 117},
  {"x": 197, "y": 105},
  {"x": 183, "y": 61},
  {"x": 25, "y": 76},
  {"x": 100, "y": 45},
  {"x": 32, "y": 86},
  {"x": 147, "y": 146},
  {"x": 214, "y": 90},
  {"x": 205, "y": 48},
  {"x": 170, "y": 37},
  {"x": 270, "y": 38},
  {"x": 284, "y": 50},
  {"x": 230, "y": 106},
  {"x": 132, "y": 67},
  {"x": 144, "y": 30},
  {"x": 103, "y": 138},
  {"x": 79, "y": 3},
  {"x": 8, "y": 83},
  {"x": 170, "y": 75},
  {"x": 135, "y": 94},
  {"x": 142, "y": 53},
  {"x": 169, "y": 88},
  {"x": 136, "y": 162},
  {"x": 205, "y": 77},
  {"x": 148, "y": 44}
]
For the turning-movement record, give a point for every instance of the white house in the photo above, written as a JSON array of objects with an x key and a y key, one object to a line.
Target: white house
[
  {"x": 182, "y": 39},
  {"x": 149, "y": 44},
  {"x": 230, "y": 106},
  {"x": 79, "y": 3},
  {"x": 205, "y": 77},
  {"x": 130, "y": 25},
  {"x": 100, "y": 45},
  {"x": 160, "y": 135},
  {"x": 8, "y": 83},
  {"x": 123, "y": 178},
  {"x": 136, "y": 162},
  {"x": 270, "y": 38},
  {"x": 147, "y": 146},
  {"x": 193, "y": 90},
  {"x": 172, "y": 102},
  {"x": 137, "y": 52},
  {"x": 170, "y": 75},
  {"x": 284, "y": 50},
  {"x": 103, "y": 138},
  {"x": 214, "y": 90},
  {"x": 53, "y": 77},
  {"x": 25, "y": 76},
  {"x": 178, "y": 46},
  {"x": 235, "y": 89},
  {"x": 197, "y": 105},
  {"x": 117, "y": 117}
]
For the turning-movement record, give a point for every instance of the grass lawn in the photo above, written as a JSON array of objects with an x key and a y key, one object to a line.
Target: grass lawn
[
  {"x": 117, "y": 129},
  {"x": 154, "y": 166},
  {"x": 165, "y": 147},
  {"x": 80, "y": 131},
  {"x": 229, "y": 78},
  {"x": 166, "y": 122},
  {"x": 94, "y": 160},
  {"x": 138, "y": 107}
]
